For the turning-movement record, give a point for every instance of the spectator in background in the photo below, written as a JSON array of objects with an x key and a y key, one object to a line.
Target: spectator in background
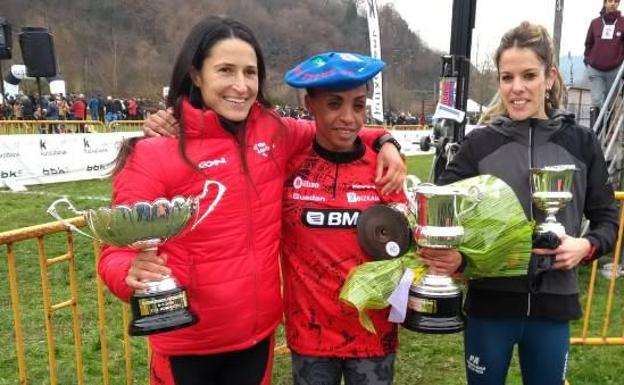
[
  {"x": 94, "y": 107},
  {"x": 117, "y": 108},
  {"x": 108, "y": 105},
  {"x": 79, "y": 109},
  {"x": 18, "y": 109},
  {"x": 133, "y": 109},
  {"x": 52, "y": 114},
  {"x": 604, "y": 53},
  {"x": 28, "y": 108}
]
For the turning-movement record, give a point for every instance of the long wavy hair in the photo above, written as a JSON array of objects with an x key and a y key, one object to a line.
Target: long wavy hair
[{"x": 537, "y": 39}]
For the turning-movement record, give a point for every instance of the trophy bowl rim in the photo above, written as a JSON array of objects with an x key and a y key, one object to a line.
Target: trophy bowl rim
[{"x": 99, "y": 221}]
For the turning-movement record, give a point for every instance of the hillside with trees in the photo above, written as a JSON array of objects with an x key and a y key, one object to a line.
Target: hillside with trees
[{"x": 127, "y": 48}]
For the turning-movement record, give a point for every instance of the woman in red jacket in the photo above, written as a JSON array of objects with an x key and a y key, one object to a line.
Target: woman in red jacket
[{"x": 228, "y": 263}]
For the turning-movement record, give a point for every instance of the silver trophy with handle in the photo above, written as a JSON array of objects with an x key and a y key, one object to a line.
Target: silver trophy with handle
[
  {"x": 162, "y": 305},
  {"x": 551, "y": 191},
  {"x": 434, "y": 304}
]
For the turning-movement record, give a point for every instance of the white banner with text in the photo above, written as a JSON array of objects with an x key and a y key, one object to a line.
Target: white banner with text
[{"x": 39, "y": 159}]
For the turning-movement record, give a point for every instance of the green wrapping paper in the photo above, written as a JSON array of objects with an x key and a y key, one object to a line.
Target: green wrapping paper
[
  {"x": 497, "y": 243},
  {"x": 497, "y": 235},
  {"x": 369, "y": 285}
]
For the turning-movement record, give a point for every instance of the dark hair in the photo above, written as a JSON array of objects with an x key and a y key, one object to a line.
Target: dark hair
[
  {"x": 537, "y": 39},
  {"x": 196, "y": 48}
]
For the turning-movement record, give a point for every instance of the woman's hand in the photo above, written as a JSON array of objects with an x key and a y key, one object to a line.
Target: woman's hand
[
  {"x": 391, "y": 169},
  {"x": 146, "y": 267},
  {"x": 440, "y": 261},
  {"x": 161, "y": 123},
  {"x": 569, "y": 254}
]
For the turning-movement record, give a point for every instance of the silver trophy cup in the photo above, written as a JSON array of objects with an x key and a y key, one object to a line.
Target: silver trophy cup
[
  {"x": 552, "y": 187},
  {"x": 552, "y": 191},
  {"x": 162, "y": 305},
  {"x": 434, "y": 304}
]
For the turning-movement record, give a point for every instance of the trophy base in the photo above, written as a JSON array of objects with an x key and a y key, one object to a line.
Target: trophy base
[
  {"x": 434, "y": 313},
  {"x": 431, "y": 325},
  {"x": 160, "y": 312},
  {"x": 162, "y": 323}
]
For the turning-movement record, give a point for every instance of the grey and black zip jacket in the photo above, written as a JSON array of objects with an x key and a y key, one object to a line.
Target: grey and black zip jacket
[{"x": 507, "y": 149}]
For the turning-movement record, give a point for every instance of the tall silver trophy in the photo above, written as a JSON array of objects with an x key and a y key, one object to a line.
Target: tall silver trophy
[
  {"x": 162, "y": 305},
  {"x": 435, "y": 303},
  {"x": 552, "y": 187}
]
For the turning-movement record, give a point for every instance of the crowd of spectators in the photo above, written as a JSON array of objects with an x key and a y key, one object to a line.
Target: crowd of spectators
[
  {"x": 390, "y": 117},
  {"x": 106, "y": 110},
  {"x": 74, "y": 107},
  {"x": 402, "y": 118}
]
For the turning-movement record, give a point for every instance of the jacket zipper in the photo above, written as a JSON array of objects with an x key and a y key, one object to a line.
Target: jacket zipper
[
  {"x": 335, "y": 180},
  {"x": 531, "y": 132},
  {"x": 250, "y": 250},
  {"x": 252, "y": 259}
]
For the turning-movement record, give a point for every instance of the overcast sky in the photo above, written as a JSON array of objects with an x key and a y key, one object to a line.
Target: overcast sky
[{"x": 431, "y": 19}]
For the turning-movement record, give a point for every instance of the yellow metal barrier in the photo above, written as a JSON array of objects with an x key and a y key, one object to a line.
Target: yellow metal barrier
[
  {"x": 15, "y": 127},
  {"x": 125, "y": 352},
  {"x": 603, "y": 336},
  {"x": 11, "y": 240},
  {"x": 125, "y": 125},
  {"x": 412, "y": 127},
  {"x": 596, "y": 327}
]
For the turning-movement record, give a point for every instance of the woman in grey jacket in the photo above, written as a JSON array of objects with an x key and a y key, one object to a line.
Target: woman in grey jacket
[{"x": 525, "y": 130}]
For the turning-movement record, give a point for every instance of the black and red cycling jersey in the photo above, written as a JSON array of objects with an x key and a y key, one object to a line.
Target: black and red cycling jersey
[{"x": 324, "y": 194}]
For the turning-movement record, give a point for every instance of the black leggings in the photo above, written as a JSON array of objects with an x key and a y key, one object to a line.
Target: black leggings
[{"x": 242, "y": 367}]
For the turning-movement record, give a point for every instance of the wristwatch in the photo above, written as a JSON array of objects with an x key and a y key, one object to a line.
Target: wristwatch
[{"x": 386, "y": 138}]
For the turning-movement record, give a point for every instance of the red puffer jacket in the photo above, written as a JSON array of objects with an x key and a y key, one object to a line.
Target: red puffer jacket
[{"x": 229, "y": 263}]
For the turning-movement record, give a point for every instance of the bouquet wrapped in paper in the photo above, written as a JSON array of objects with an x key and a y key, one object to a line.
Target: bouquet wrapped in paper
[
  {"x": 370, "y": 285},
  {"x": 497, "y": 243},
  {"x": 497, "y": 234}
]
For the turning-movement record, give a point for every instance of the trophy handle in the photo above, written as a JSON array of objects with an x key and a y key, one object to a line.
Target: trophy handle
[
  {"x": 408, "y": 191},
  {"x": 211, "y": 207},
  {"x": 52, "y": 211},
  {"x": 474, "y": 194}
]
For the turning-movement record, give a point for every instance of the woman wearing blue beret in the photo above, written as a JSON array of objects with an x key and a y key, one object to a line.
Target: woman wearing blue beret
[{"x": 328, "y": 184}]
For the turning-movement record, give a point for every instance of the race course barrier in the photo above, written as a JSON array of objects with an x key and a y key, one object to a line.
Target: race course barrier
[
  {"x": 29, "y": 127},
  {"x": 63, "y": 317}
]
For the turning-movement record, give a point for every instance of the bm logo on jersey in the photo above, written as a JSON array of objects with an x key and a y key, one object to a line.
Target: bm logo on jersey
[{"x": 330, "y": 218}]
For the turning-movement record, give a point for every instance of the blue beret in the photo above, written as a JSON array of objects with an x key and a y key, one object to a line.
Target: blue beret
[{"x": 334, "y": 70}]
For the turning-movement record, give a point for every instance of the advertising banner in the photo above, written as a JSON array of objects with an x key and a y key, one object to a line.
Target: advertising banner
[
  {"x": 39, "y": 159},
  {"x": 375, "y": 48}
]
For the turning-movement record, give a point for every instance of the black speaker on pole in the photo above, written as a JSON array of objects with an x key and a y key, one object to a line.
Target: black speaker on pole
[
  {"x": 38, "y": 52},
  {"x": 5, "y": 39}
]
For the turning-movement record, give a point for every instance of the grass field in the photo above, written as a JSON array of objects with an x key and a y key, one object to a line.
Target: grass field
[{"x": 422, "y": 359}]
